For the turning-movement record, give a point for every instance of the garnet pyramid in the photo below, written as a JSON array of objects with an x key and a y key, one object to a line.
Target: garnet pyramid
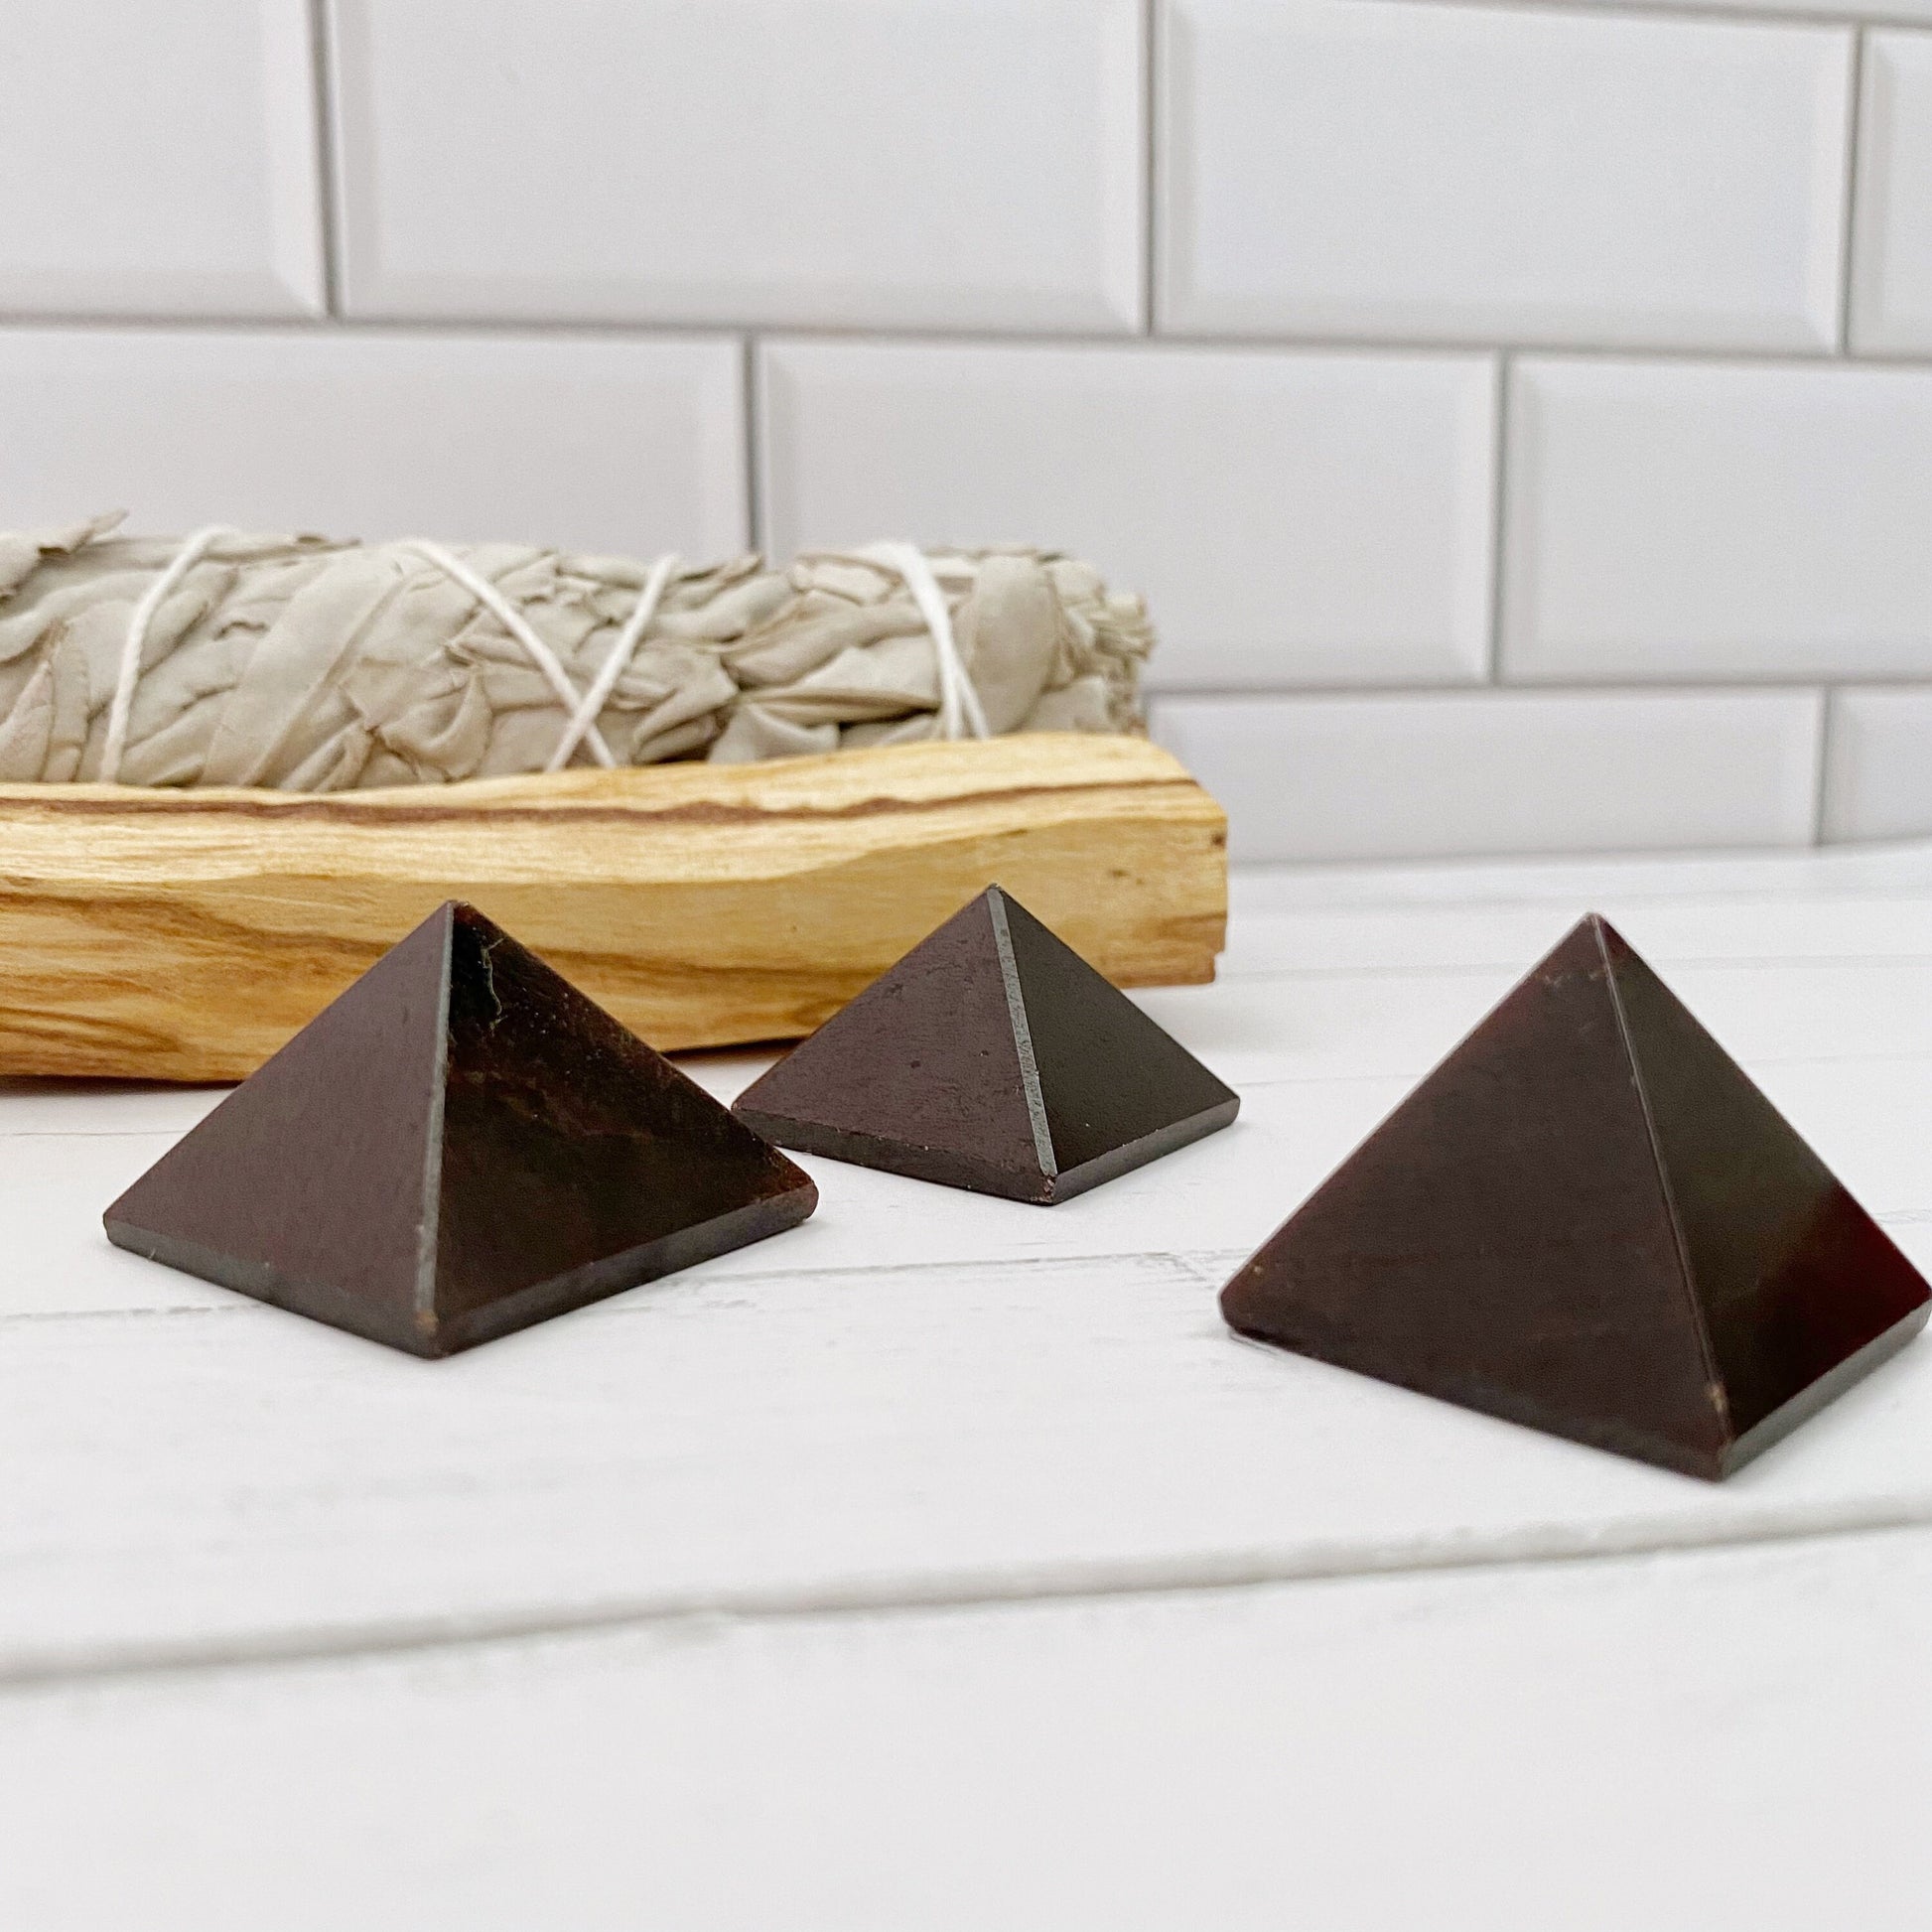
[
  {"x": 460, "y": 1146},
  {"x": 994, "y": 1057},
  {"x": 1589, "y": 1220}
]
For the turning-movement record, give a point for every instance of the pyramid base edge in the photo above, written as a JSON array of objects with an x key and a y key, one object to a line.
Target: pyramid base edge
[{"x": 1826, "y": 1389}]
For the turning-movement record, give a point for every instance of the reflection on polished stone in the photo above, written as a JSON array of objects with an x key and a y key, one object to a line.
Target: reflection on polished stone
[
  {"x": 460, "y": 1146},
  {"x": 1588, "y": 1219}
]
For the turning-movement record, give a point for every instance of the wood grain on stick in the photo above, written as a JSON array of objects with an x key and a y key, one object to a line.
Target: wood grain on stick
[{"x": 185, "y": 935}]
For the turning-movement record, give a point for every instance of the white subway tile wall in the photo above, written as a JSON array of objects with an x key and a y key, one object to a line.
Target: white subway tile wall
[
  {"x": 1292, "y": 519},
  {"x": 1850, "y": 10},
  {"x": 1891, "y": 286},
  {"x": 1879, "y": 782},
  {"x": 1376, "y": 168},
  {"x": 1701, "y": 520},
  {"x": 1519, "y": 417},
  {"x": 597, "y": 443},
  {"x": 160, "y": 160},
  {"x": 1502, "y": 772},
  {"x": 860, "y": 163}
]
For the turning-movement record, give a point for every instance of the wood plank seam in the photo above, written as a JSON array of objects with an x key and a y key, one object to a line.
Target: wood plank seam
[{"x": 1151, "y": 1579}]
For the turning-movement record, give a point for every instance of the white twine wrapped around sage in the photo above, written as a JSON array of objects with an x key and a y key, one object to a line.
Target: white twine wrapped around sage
[{"x": 307, "y": 664}]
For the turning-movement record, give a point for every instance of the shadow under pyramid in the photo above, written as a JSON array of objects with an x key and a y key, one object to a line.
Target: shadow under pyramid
[{"x": 1590, "y": 1219}]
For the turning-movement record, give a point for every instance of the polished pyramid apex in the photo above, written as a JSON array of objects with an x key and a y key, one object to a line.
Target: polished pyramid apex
[
  {"x": 993, "y": 1057},
  {"x": 460, "y": 1146},
  {"x": 1588, "y": 1219}
]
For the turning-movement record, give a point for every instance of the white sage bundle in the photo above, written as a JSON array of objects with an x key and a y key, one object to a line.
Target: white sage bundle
[{"x": 312, "y": 665}]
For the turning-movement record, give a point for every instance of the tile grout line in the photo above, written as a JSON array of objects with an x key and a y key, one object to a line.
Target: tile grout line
[
  {"x": 1849, "y": 206},
  {"x": 1739, "y": 685},
  {"x": 1821, "y": 764},
  {"x": 325, "y": 89},
  {"x": 1665, "y": 13},
  {"x": 1502, "y": 893},
  {"x": 644, "y": 331},
  {"x": 751, "y": 414},
  {"x": 1150, "y": 152},
  {"x": 1477, "y": 968},
  {"x": 1499, "y": 516}
]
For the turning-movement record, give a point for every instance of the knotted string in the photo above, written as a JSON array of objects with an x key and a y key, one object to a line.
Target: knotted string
[
  {"x": 960, "y": 710},
  {"x": 959, "y": 703},
  {"x": 581, "y": 714},
  {"x": 191, "y": 551},
  {"x": 618, "y": 661},
  {"x": 506, "y": 613}
]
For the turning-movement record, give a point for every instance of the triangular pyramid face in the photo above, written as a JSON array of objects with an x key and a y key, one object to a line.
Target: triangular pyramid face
[
  {"x": 920, "y": 1073},
  {"x": 1117, "y": 1088},
  {"x": 308, "y": 1186},
  {"x": 460, "y": 1146},
  {"x": 576, "y": 1159},
  {"x": 1509, "y": 1238},
  {"x": 1793, "y": 1280},
  {"x": 993, "y": 1057},
  {"x": 1503, "y": 1238}
]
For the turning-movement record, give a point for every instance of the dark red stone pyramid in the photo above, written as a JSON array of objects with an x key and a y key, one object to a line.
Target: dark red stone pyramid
[
  {"x": 994, "y": 1057},
  {"x": 460, "y": 1146},
  {"x": 1588, "y": 1219}
]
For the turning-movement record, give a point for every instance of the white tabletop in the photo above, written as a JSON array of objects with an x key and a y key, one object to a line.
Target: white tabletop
[{"x": 945, "y": 1563}]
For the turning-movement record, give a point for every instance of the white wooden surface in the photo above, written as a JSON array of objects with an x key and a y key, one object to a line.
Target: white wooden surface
[{"x": 946, "y": 1564}]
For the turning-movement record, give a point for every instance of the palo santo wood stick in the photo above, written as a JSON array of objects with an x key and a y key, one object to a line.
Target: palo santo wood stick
[{"x": 185, "y": 935}]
